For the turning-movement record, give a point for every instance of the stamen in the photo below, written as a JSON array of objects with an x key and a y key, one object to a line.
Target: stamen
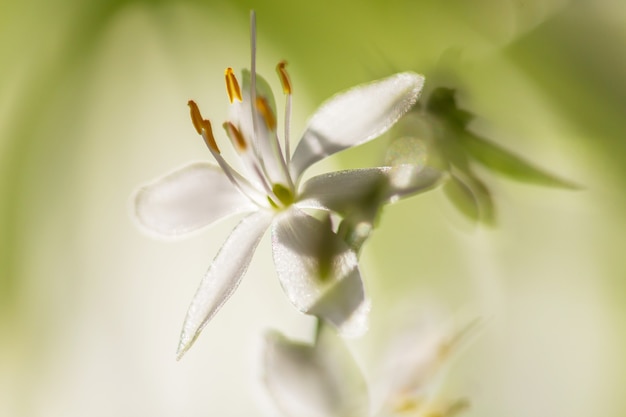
[
  {"x": 236, "y": 137},
  {"x": 207, "y": 135},
  {"x": 284, "y": 77},
  {"x": 196, "y": 117},
  {"x": 232, "y": 86},
  {"x": 266, "y": 112}
]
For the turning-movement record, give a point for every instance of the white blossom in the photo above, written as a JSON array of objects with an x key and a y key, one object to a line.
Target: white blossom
[{"x": 317, "y": 269}]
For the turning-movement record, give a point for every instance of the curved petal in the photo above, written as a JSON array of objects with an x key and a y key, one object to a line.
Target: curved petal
[
  {"x": 188, "y": 199},
  {"x": 364, "y": 190},
  {"x": 354, "y": 117},
  {"x": 319, "y": 272},
  {"x": 223, "y": 276},
  {"x": 320, "y": 380}
]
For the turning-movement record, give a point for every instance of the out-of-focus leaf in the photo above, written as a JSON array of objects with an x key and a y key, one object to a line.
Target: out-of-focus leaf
[
  {"x": 472, "y": 198},
  {"x": 502, "y": 161}
]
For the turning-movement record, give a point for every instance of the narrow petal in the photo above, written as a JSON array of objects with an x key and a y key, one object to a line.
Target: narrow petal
[
  {"x": 223, "y": 276},
  {"x": 366, "y": 189},
  {"x": 188, "y": 199},
  {"x": 418, "y": 360},
  {"x": 354, "y": 117},
  {"x": 320, "y": 380},
  {"x": 319, "y": 272}
]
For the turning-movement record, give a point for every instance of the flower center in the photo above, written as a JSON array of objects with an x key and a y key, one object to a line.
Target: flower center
[
  {"x": 254, "y": 137},
  {"x": 284, "y": 194}
]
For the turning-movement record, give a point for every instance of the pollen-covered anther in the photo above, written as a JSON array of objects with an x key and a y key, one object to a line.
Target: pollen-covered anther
[
  {"x": 196, "y": 117},
  {"x": 207, "y": 135},
  {"x": 284, "y": 76},
  {"x": 232, "y": 86},
  {"x": 235, "y": 136},
  {"x": 266, "y": 112}
]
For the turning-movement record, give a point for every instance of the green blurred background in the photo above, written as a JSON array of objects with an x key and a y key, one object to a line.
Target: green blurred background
[{"x": 93, "y": 103}]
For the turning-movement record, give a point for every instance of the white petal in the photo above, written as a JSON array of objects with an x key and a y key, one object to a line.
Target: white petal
[
  {"x": 364, "y": 190},
  {"x": 355, "y": 116},
  {"x": 319, "y": 272},
  {"x": 263, "y": 139},
  {"x": 188, "y": 199},
  {"x": 223, "y": 276},
  {"x": 313, "y": 381}
]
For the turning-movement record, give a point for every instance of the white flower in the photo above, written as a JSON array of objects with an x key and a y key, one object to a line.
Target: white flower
[
  {"x": 317, "y": 270},
  {"x": 323, "y": 380}
]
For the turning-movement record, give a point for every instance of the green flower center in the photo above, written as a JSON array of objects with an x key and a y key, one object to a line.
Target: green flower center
[{"x": 284, "y": 195}]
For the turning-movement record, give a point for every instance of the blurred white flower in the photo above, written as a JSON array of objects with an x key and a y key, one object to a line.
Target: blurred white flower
[
  {"x": 323, "y": 379},
  {"x": 318, "y": 270}
]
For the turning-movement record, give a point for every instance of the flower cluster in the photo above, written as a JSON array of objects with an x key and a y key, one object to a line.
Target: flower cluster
[{"x": 317, "y": 227}]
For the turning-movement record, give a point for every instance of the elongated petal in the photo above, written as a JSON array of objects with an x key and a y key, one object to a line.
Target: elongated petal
[
  {"x": 354, "y": 117},
  {"x": 418, "y": 360},
  {"x": 320, "y": 380},
  {"x": 366, "y": 189},
  {"x": 318, "y": 271},
  {"x": 223, "y": 276},
  {"x": 188, "y": 199}
]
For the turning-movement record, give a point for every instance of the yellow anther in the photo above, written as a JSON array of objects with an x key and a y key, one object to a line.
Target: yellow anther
[
  {"x": 266, "y": 112},
  {"x": 235, "y": 135},
  {"x": 284, "y": 77},
  {"x": 232, "y": 86},
  {"x": 203, "y": 126},
  {"x": 196, "y": 117},
  {"x": 207, "y": 134}
]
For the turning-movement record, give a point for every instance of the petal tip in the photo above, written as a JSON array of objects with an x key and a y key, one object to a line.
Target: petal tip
[{"x": 358, "y": 323}]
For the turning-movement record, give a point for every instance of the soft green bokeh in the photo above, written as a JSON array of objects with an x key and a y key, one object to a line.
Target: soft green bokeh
[{"x": 93, "y": 102}]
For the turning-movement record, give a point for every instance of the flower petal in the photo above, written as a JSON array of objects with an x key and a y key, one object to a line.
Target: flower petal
[
  {"x": 354, "y": 117},
  {"x": 223, "y": 276},
  {"x": 188, "y": 199},
  {"x": 318, "y": 271},
  {"x": 364, "y": 190},
  {"x": 263, "y": 138},
  {"x": 322, "y": 380}
]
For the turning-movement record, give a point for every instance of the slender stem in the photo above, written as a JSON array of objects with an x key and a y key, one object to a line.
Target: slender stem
[
  {"x": 253, "y": 112},
  {"x": 318, "y": 329},
  {"x": 286, "y": 131}
]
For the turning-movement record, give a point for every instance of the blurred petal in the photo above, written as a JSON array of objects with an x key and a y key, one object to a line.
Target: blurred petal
[
  {"x": 313, "y": 381},
  {"x": 471, "y": 197},
  {"x": 354, "y": 117},
  {"x": 223, "y": 276},
  {"x": 360, "y": 189},
  {"x": 318, "y": 271},
  {"x": 188, "y": 199}
]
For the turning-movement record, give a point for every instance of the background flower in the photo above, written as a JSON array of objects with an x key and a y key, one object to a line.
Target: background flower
[{"x": 93, "y": 101}]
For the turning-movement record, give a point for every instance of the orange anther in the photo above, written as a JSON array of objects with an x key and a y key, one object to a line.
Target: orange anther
[
  {"x": 235, "y": 135},
  {"x": 196, "y": 117},
  {"x": 232, "y": 86},
  {"x": 266, "y": 112},
  {"x": 207, "y": 134},
  {"x": 284, "y": 77}
]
